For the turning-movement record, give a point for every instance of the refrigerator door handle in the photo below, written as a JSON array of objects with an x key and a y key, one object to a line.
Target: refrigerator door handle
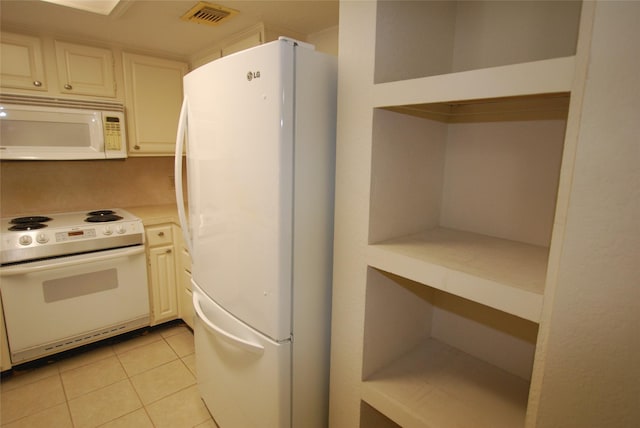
[
  {"x": 182, "y": 122},
  {"x": 230, "y": 338}
]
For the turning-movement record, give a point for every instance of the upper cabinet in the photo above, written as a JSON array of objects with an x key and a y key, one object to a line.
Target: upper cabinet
[
  {"x": 85, "y": 70},
  {"x": 153, "y": 93},
  {"x": 249, "y": 38},
  {"x": 249, "y": 41},
  {"x": 22, "y": 62},
  {"x": 29, "y": 63},
  {"x": 152, "y": 86}
]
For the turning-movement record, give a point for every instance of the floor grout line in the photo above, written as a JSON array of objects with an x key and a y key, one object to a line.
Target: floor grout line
[{"x": 59, "y": 370}]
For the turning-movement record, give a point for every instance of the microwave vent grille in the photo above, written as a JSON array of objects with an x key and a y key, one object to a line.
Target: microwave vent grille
[{"x": 60, "y": 102}]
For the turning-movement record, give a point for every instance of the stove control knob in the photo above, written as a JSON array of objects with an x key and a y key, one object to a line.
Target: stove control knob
[
  {"x": 121, "y": 229},
  {"x": 25, "y": 240},
  {"x": 42, "y": 238},
  {"x": 107, "y": 230}
]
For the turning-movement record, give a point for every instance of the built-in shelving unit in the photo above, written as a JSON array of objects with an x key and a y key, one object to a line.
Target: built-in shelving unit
[
  {"x": 469, "y": 101},
  {"x": 499, "y": 273},
  {"x": 537, "y": 81},
  {"x": 447, "y": 388},
  {"x": 429, "y": 39},
  {"x": 432, "y": 358}
]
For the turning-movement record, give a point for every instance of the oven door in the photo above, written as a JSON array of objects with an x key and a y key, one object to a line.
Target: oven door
[{"x": 58, "y": 304}]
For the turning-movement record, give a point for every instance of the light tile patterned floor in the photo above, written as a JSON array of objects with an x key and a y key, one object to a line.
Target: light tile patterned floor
[{"x": 145, "y": 381}]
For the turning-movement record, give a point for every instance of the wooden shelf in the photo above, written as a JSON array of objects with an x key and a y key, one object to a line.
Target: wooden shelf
[
  {"x": 526, "y": 107},
  {"x": 436, "y": 385},
  {"x": 551, "y": 76},
  {"x": 503, "y": 274}
]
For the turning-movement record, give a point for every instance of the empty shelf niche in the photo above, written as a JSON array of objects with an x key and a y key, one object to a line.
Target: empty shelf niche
[
  {"x": 467, "y": 205},
  {"x": 433, "y": 359},
  {"x": 420, "y": 39}
]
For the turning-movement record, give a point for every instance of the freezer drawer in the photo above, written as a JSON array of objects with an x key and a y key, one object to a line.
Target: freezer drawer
[{"x": 244, "y": 377}]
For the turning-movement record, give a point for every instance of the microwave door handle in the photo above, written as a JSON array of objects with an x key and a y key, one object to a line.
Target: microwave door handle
[
  {"x": 180, "y": 137},
  {"x": 59, "y": 263}
]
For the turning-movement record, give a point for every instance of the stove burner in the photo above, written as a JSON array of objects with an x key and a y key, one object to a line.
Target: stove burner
[
  {"x": 27, "y": 226},
  {"x": 28, "y": 223},
  {"x": 102, "y": 216},
  {"x": 100, "y": 212},
  {"x": 30, "y": 219}
]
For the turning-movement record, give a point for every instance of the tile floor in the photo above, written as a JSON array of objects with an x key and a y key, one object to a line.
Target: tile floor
[{"x": 147, "y": 380}]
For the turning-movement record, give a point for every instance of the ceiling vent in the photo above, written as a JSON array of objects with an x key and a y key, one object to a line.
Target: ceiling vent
[{"x": 208, "y": 14}]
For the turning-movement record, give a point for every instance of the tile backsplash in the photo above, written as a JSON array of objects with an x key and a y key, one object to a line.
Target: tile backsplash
[{"x": 37, "y": 187}]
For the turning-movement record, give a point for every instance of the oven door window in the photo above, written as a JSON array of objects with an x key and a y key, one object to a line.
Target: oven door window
[{"x": 79, "y": 285}]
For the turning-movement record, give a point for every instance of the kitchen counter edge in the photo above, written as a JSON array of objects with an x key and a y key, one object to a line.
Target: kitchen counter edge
[{"x": 156, "y": 214}]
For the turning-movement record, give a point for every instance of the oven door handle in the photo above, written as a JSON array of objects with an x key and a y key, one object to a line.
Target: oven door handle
[{"x": 28, "y": 268}]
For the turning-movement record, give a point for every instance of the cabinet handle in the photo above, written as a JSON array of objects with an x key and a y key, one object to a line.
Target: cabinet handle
[
  {"x": 168, "y": 251},
  {"x": 37, "y": 83},
  {"x": 136, "y": 147},
  {"x": 161, "y": 234},
  {"x": 68, "y": 86}
]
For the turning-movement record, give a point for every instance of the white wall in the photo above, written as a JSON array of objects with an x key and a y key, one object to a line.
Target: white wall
[
  {"x": 592, "y": 361},
  {"x": 325, "y": 41},
  {"x": 353, "y": 163}
]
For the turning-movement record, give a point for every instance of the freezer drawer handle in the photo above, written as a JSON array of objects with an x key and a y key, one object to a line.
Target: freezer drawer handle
[{"x": 234, "y": 340}]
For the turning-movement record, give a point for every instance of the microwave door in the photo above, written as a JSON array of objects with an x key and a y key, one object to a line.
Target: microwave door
[{"x": 50, "y": 134}]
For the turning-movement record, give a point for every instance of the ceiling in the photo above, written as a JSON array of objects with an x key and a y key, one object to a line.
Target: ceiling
[{"x": 155, "y": 25}]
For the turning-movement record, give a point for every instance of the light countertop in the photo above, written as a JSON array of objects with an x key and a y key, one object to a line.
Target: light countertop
[{"x": 156, "y": 214}]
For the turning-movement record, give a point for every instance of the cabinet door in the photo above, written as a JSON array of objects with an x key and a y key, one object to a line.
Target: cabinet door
[
  {"x": 85, "y": 70},
  {"x": 21, "y": 62},
  {"x": 186, "y": 298},
  {"x": 248, "y": 42},
  {"x": 5, "y": 359},
  {"x": 160, "y": 235},
  {"x": 153, "y": 92},
  {"x": 162, "y": 279}
]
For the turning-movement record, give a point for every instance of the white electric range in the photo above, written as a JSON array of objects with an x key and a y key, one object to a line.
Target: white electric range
[{"x": 69, "y": 279}]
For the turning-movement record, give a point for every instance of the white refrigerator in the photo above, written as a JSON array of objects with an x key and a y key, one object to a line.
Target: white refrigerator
[{"x": 259, "y": 130}]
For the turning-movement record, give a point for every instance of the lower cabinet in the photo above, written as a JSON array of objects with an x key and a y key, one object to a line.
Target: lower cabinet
[
  {"x": 185, "y": 299},
  {"x": 162, "y": 273},
  {"x": 169, "y": 275},
  {"x": 5, "y": 359}
]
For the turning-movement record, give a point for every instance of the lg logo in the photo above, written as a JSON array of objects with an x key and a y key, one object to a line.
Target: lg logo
[{"x": 253, "y": 75}]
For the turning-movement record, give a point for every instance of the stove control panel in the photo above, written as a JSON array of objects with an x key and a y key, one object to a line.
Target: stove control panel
[
  {"x": 25, "y": 240},
  {"x": 52, "y": 237},
  {"x": 74, "y": 235},
  {"x": 67, "y": 234}
]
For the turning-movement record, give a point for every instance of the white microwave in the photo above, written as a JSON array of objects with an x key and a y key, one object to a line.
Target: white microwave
[{"x": 35, "y": 128}]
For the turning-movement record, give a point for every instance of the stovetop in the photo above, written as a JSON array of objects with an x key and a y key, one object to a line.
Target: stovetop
[
  {"x": 69, "y": 219},
  {"x": 52, "y": 235}
]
